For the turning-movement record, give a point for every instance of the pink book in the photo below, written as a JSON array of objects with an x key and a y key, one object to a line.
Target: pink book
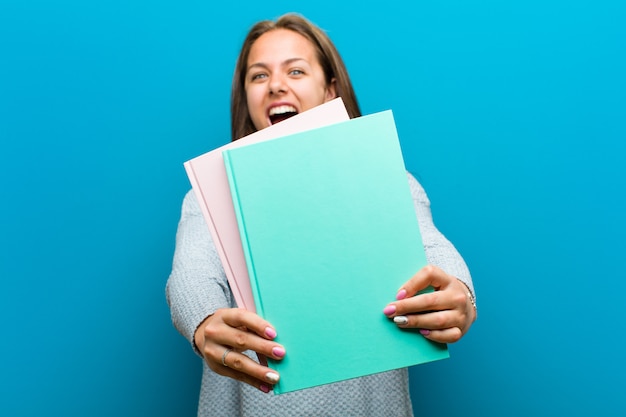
[{"x": 207, "y": 175}]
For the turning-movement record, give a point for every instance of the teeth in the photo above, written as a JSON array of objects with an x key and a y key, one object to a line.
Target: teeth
[{"x": 282, "y": 110}]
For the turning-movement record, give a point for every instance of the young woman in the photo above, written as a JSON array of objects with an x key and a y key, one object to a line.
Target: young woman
[{"x": 284, "y": 68}]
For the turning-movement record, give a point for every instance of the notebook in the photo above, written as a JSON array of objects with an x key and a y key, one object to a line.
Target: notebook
[{"x": 329, "y": 234}]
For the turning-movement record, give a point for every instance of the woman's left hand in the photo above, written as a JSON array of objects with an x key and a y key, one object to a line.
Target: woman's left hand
[{"x": 443, "y": 315}]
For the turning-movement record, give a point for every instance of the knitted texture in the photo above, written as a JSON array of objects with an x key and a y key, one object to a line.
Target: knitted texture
[{"x": 197, "y": 286}]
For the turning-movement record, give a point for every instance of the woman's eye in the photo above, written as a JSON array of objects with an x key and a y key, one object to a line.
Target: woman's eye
[
  {"x": 256, "y": 77},
  {"x": 296, "y": 72}
]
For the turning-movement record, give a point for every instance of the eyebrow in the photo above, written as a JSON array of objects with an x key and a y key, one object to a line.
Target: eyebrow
[{"x": 284, "y": 63}]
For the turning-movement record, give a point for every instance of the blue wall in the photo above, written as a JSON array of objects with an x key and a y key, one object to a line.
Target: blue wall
[{"x": 513, "y": 116}]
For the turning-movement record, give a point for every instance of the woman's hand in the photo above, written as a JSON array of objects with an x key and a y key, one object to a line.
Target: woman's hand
[
  {"x": 443, "y": 315},
  {"x": 225, "y": 334}
]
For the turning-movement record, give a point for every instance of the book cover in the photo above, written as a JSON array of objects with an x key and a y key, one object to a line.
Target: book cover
[
  {"x": 210, "y": 184},
  {"x": 329, "y": 233}
]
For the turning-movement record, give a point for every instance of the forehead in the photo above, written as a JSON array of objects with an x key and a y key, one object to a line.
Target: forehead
[{"x": 279, "y": 45}]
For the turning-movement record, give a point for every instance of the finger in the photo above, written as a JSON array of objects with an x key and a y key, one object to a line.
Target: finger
[
  {"x": 243, "y": 364},
  {"x": 449, "y": 335},
  {"x": 454, "y": 296},
  {"x": 239, "y": 366},
  {"x": 423, "y": 303},
  {"x": 260, "y": 384},
  {"x": 220, "y": 332},
  {"x": 429, "y": 275},
  {"x": 437, "y": 320},
  {"x": 219, "y": 337},
  {"x": 239, "y": 317}
]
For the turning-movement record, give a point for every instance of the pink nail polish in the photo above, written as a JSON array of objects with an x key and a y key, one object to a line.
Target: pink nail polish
[
  {"x": 390, "y": 309},
  {"x": 425, "y": 332},
  {"x": 278, "y": 351},
  {"x": 269, "y": 332},
  {"x": 264, "y": 388},
  {"x": 401, "y": 294}
]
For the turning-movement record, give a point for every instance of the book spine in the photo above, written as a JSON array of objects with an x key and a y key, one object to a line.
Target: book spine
[{"x": 232, "y": 182}]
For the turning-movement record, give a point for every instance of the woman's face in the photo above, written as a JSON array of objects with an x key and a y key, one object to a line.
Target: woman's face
[{"x": 283, "y": 78}]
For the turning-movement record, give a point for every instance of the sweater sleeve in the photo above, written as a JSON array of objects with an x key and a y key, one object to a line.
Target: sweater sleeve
[
  {"x": 439, "y": 250},
  {"x": 197, "y": 285}
]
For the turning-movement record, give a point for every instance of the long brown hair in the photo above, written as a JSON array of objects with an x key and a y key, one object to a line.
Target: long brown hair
[{"x": 327, "y": 54}]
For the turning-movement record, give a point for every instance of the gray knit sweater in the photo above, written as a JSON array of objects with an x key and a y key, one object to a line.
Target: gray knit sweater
[{"x": 198, "y": 286}]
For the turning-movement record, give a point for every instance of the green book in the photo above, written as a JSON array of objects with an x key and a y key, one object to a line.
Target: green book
[{"x": 329, "y": 233}]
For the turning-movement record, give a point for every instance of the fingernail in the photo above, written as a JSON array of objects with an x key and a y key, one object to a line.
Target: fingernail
[
  {"x": 272, "y": 377},
  {"x": 401, "y": 320},
  {"x": 278, "y": 351},
  {"x": 425, "y": 332},
  {"x": 269, "y": 332},
  {"x": 401, "y": 294},
  {"x": 264, "y": 388},
  {"x": 390, "y": 309}
]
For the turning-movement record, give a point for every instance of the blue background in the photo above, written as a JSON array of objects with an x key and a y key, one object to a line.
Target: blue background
[{"x": 512, "y": 115}]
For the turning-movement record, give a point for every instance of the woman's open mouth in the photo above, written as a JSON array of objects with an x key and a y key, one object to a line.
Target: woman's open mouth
[{"x": 279, "y": 113}]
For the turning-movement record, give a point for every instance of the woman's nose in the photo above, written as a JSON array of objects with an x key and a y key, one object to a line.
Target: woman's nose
[{"x": 277, "y": 84}]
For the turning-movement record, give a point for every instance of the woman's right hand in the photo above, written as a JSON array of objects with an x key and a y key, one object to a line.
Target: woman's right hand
[{"x": 229, "y": 331}]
